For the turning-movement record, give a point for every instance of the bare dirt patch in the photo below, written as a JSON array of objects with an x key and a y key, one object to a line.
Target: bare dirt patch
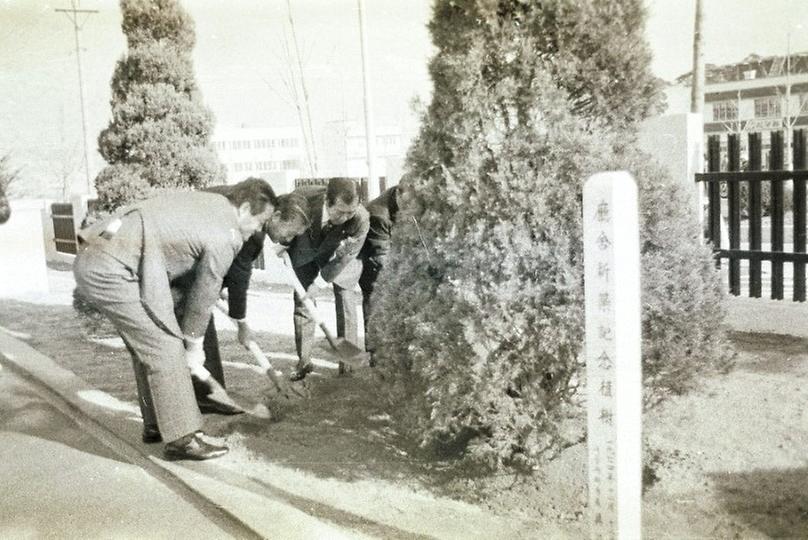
[{"x": 726, "y": 460}]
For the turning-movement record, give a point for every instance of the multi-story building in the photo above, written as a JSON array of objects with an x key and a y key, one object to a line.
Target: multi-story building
[
  {"x": 275, "y": 154},
  {"x": 758, "y": 94},
  {"x": 280, "y": 155},
  {"x": 344, "y": 151}
]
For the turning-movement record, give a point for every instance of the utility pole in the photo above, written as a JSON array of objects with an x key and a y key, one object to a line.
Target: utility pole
[
  {"x": 73, "y": 15},
  {"x": 697, "y": 101},
  {"x": 370, "y": 135},
  {"x": 788, "y": 162},
  {"x": 697, "y": 88},
  {"x": 314, "y": 166}
]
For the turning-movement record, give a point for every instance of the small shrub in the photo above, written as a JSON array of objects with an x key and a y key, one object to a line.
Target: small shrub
[{"x": 7, "y": 175}]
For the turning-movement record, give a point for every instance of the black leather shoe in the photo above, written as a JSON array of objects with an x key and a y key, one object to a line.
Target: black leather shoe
[
  {"x": 194, "y": 448},
  {"x": 211, "y": 406},
  {"x": 151, "y": 434},
  {"x": 300, "y": 373}
]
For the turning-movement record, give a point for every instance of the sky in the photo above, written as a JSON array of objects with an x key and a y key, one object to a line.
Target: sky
[{"x": 241, "y": 65}]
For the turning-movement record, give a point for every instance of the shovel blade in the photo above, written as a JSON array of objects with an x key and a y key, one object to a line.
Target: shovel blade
[
  {"x": 349, "y": 353},
  {"x": 218, "y": 394}
]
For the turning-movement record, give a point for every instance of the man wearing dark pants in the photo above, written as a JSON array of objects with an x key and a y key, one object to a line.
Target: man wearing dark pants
[
  {"x": 329, "y": 247},
  {"x": 383, "y": 213},
  {"x": 125, "y": 269}
]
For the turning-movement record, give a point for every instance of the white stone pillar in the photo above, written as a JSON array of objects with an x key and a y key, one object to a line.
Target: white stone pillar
[
  {"x": 22, "y": 250},
  {"x": 613, "y": 361}
]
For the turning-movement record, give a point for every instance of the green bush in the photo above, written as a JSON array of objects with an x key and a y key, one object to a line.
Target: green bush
[
  {"x": 7, "y": 175},
  {"x": 481, "y": 330},
  {"x": 159, "y": 135}
]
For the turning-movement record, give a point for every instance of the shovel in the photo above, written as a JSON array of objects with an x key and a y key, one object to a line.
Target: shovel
[
  {"x": 347, "y": 351},
  {"x": 263, "y": 362}
]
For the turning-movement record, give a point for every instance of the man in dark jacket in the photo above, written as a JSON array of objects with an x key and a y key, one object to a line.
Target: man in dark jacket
[
  {"x": 126, "y": 268},
  {"x": 383, "y": 213},
  {"x": 287, "y": 221},
  {"x": 329, "y": 247}
]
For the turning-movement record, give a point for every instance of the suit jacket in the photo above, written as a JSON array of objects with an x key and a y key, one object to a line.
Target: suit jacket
[
  {"x": 237, "y": 280},
  {"x": 333, "y": 248},
  {"x": 186, "y": 240},
  {"x": 383, "y": 211}
]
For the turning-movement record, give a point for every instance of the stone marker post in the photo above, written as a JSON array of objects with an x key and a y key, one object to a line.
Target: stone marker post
[{"x": 613, "y": 365}]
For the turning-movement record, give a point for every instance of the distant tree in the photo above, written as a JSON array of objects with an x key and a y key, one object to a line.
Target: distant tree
[
  {"x": 480, "y": 317},
  {"x": 159, "y": 136},
  {"x": 7, "y": 175}
]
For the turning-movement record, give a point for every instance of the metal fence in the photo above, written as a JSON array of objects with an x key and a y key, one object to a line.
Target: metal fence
[{"x": 758, "y": 201}]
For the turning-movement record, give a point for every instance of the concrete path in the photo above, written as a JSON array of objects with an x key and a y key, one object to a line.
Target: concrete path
[
  {"x": 59, "y": 481},
  {"x": 112, "y": 482}
]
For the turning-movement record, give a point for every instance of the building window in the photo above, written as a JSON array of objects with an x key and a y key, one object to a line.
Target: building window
[
  {"x": 289, "y": 164},
  {"x": 768, "y": 107},
  {"x": 289, "y": 143},
  {"x": 725, "y": 110},
  {"x": 387, "y": 140}
]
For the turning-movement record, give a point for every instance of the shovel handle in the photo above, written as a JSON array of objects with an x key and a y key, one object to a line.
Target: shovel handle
[
  {"x": 307, "y": 302},
  {"x": 265, "y": 364}
]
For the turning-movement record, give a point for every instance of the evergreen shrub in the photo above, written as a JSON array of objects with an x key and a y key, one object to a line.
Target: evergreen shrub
[
  {"x": 480, "y": 307},
  {"x": 159, "y": 135}
]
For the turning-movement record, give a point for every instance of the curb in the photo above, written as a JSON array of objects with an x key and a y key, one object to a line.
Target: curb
[
  {"x": 240, "y": 505},
  {"x": 765, "y": 316},
  {"x": 64, "y": 390}
]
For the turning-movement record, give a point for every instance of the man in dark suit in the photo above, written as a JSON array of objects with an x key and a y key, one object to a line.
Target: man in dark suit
[
  {"x": 287, "y": 221},
  {"x": 329, "y": 247},
  {"x": 383, "y": 213},
  {"x": 126, "y": 268}
]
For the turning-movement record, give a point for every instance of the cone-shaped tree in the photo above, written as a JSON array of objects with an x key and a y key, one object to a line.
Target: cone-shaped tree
[
  {"x": 480, "y": 317},
  {"x": 159, "y": 136},
  {"x": 7, "y": 175}
]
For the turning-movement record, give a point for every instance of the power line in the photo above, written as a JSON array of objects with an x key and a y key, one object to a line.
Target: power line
[{"x": 73, "y": 15}]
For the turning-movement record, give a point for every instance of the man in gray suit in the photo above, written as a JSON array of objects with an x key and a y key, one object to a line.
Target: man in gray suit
[
  {"x": 337, "y": 226},
  {"x": 126, "y": 268}
]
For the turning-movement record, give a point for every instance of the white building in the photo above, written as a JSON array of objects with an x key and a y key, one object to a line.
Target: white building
[
  {"x": 758, "y": 94},
  {"x": 344, "y": 151},
  {"x": 279, "y": 155},
  {"x": 275, "y": 154}
]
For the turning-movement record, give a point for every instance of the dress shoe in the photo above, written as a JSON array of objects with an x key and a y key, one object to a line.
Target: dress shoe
[
  {"x": 151, "y": 434},
  {"x": 300, "y": 373},
  {"x": 192, "y": 447},
  {"x": 212, "y": 406}
]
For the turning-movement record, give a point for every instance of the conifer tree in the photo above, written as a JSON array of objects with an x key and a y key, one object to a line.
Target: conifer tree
[
  {"x": 480, "y": 317},
  {"x": 7, "y": 175},
  {"x": 159, "y": 135}
]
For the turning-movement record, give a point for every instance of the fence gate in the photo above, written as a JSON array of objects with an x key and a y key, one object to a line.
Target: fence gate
[
  {"x": 757, "y": 204},
  {"x": 64, "y": 230}
]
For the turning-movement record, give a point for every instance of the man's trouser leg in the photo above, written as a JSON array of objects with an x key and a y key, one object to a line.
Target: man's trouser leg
[
  {"x": 345, "y": 304},
  {"x": 213, "y": 357},
  {"x": 304, "y": 324},
  {"x": 366, "y": 282},
  {"x": 157, "y": 356},
  {"x": 143, "y": 392}
]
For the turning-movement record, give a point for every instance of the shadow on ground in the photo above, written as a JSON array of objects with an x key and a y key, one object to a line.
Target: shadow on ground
[
  {"x": 770, "y": 353},
  {"x": 774, "y": 502}
]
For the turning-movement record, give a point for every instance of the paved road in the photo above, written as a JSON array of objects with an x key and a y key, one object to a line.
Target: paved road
[{"x": 59, "y": 482}]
